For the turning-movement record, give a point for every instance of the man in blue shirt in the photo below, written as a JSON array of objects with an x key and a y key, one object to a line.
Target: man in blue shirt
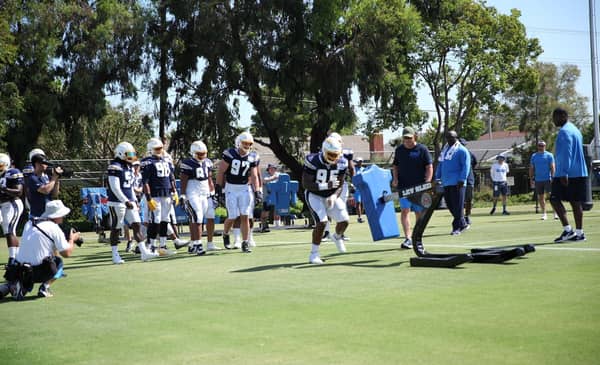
[
  {"x": 412, "y": 166},
  {"x": 541, "y": 170},
  {"x": 453, "y": 170},
  {"x": 41, "y": 188},
  {"x": 569, "y": 179}
]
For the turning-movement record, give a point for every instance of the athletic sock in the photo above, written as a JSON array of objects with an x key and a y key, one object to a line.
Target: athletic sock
[
  {"x": 12, "y": 252},
  {"x": 115, "y": 252},
  {"x": 568, "y": 228},
  {"x": 315, "y": 248},
  {"x": 163, "y": 241},
  {"x": 579, "y": 232},
  {"x": 237, "y": 233}
]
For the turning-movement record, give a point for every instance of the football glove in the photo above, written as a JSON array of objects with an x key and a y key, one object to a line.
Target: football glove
[
  {"x": 175, "y": 198},
  {"x": 258, "y": 197},
  {"x": 152, "y": 204},
  {"x": 215, "y": 200}
]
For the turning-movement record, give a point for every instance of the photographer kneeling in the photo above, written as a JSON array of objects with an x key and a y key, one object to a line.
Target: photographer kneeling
[{"x": 36, "y": 260}]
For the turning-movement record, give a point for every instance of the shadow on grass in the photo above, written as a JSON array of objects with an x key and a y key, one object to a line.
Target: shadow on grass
[{"x": 328, "y": 263}]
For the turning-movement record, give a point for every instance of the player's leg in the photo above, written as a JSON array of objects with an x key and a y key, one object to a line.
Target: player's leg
[
  {"x": 339, "y": 213},
  {"x": 117, "y": 214},
  {"x": 318, "y": 211}
]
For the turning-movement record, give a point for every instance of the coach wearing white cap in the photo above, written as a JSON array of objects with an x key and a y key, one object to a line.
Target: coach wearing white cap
[{"x": 39, "y": 242}]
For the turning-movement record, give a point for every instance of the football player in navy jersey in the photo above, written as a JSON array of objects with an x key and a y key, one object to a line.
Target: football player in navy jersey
[
  {"x": 197, "y": 190},
  {"x": 348, "y": 154},
  {"x": 236, "y": 170},
  {"x": 322, "y": 179},
  {"x": 172, "y": 226},
  {"x": 11, "y": 206},
  {"x": 122, "y": 202},
  {"x": 159, "y": 184}
]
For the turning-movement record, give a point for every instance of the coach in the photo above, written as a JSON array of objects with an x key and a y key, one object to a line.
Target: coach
[
  {"x": 570, "y": 177},
  {"x": 453, "y": 170}
]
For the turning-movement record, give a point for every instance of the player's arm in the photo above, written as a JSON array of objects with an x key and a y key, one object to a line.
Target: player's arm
[
  {"x": 115, "y": 186},
  {"x": 17, "y": 191},
  {"x": 223, "y": 166}
]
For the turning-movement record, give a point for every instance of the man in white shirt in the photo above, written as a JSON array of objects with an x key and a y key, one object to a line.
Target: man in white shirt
[
  {"x": 498, "y": 172},
  {"x": 36, "y": 254}
]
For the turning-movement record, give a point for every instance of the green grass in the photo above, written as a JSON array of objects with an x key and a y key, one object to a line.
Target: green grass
[{"x": 364, "y": 307}]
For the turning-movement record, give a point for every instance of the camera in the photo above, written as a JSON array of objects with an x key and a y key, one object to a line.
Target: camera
[
  {"x": 67, "y": 232},
  {"x": 66, "y": 172}
]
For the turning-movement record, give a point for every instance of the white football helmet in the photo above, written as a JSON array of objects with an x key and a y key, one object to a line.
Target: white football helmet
[
  {"x": 4, "y": 162},
  {"x": 331, "y": 150},
  {"x": 126, "y": 152},
  {"x": 36, "y": 151},
  {"x": 244, "y": 142},
  {"x": 336, "y": 136},
  {"x": 154, "y": 147},
  {"x": 198, "y": 150}
]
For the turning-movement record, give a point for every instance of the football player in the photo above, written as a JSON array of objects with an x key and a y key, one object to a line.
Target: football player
[
  {"x": 197, "y": 188},
  {"x": 322, "y": 179},
  {"x": 159, "y": 184},
  {"x": 172, "y": 226},
  {"x": 122, "y": 202},
  {"x": 348, "y": 154},
  {"x": 11, "y": 206},
  {"x": 236, "y": 169}
]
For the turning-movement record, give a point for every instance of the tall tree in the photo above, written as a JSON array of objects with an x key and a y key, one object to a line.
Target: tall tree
[
  {"x": 532, "y": 111},
  {"x": 69, "y": 55},
  {"x": 297, "y": 62},
  {"x": 469, "y": 55}
]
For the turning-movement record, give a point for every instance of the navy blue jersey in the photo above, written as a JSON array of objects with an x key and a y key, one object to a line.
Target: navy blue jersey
[
  {"x": 196, "y": 170},
  {"x": 324, "y": 172},
  {"x": 240, "y": 167},
  {"x": 158, "y": 174},
  {"x": 124, "y": 172},
  {"x": 37, "y": 200},
  {"x": 11, "y": 179},
  {"x": 410, "y": 165}
]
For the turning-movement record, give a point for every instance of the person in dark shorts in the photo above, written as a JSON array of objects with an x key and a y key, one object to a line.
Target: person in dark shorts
[
  {"x": 569, "y": 180},
  {"x": 541, "y": 170}
]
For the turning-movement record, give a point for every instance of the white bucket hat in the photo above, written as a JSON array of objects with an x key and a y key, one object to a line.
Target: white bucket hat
[{"x": 55, "y": 209}]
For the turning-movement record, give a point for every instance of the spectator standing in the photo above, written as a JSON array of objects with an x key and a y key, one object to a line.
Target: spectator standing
[
  {"x": 271, "y": 175},
  {"x": 498, "y": 172},
  {"x": 569, "y": 179},
  {"x": 541, "y": 171},
  {"x": 358, "y": 169},
  {"x": 453, "y": 170},
  {"x": 412, "y": 166}
]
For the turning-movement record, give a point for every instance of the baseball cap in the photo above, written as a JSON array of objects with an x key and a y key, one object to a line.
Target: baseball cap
[
  {"x": 39, "y": 158},
  {"x": 359, "y": 159},
  {"x": 408, "y": 132},
  {"x": 271, "y": 165},
  {"x": 541, "y": 143},
  {"x": 500, "y": 157}
]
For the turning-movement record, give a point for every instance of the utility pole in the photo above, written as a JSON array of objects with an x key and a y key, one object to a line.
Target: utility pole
[{"x": 594, "y": 59}]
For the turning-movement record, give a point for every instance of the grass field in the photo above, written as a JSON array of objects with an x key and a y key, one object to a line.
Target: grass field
[{"x": 367, "y": 306}]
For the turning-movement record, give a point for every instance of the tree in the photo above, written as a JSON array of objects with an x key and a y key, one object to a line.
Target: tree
[
  {"x": 69, "y": 54},
  {"x": 469, "y": 54},
  {"x": 297, "y": 63},
  {"x": 532, "y": 111}
]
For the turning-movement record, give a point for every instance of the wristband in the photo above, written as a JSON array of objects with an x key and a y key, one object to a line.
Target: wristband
[{"x": 323, "y": 186}]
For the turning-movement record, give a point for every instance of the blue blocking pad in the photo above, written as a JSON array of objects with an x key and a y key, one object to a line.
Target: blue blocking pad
[
  {"x": 282, "y": 194},
  {"x": 375, "y": 190}
]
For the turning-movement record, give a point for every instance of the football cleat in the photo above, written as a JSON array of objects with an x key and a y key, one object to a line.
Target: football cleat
[
  {"x": 339, "y": 242},
  {"x": 212, "y": 247},
  {"x": 407, "y": 244},
  {"x": 578, "y": 238},
  {"x": 199, "y": 250},
  {"x": 226, "y": 242},
  {"x": 147, "y": 255},
  {"x": 315, "y": 259},
  {"x": 179, "y": 243},
  {"x": 565, "y": 236},
  {"x": 246, "y": 247},
  {"x": 117, "y": 260}
]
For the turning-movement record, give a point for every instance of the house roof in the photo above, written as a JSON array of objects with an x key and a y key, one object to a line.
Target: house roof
[{"x": 501, "y": 143}]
